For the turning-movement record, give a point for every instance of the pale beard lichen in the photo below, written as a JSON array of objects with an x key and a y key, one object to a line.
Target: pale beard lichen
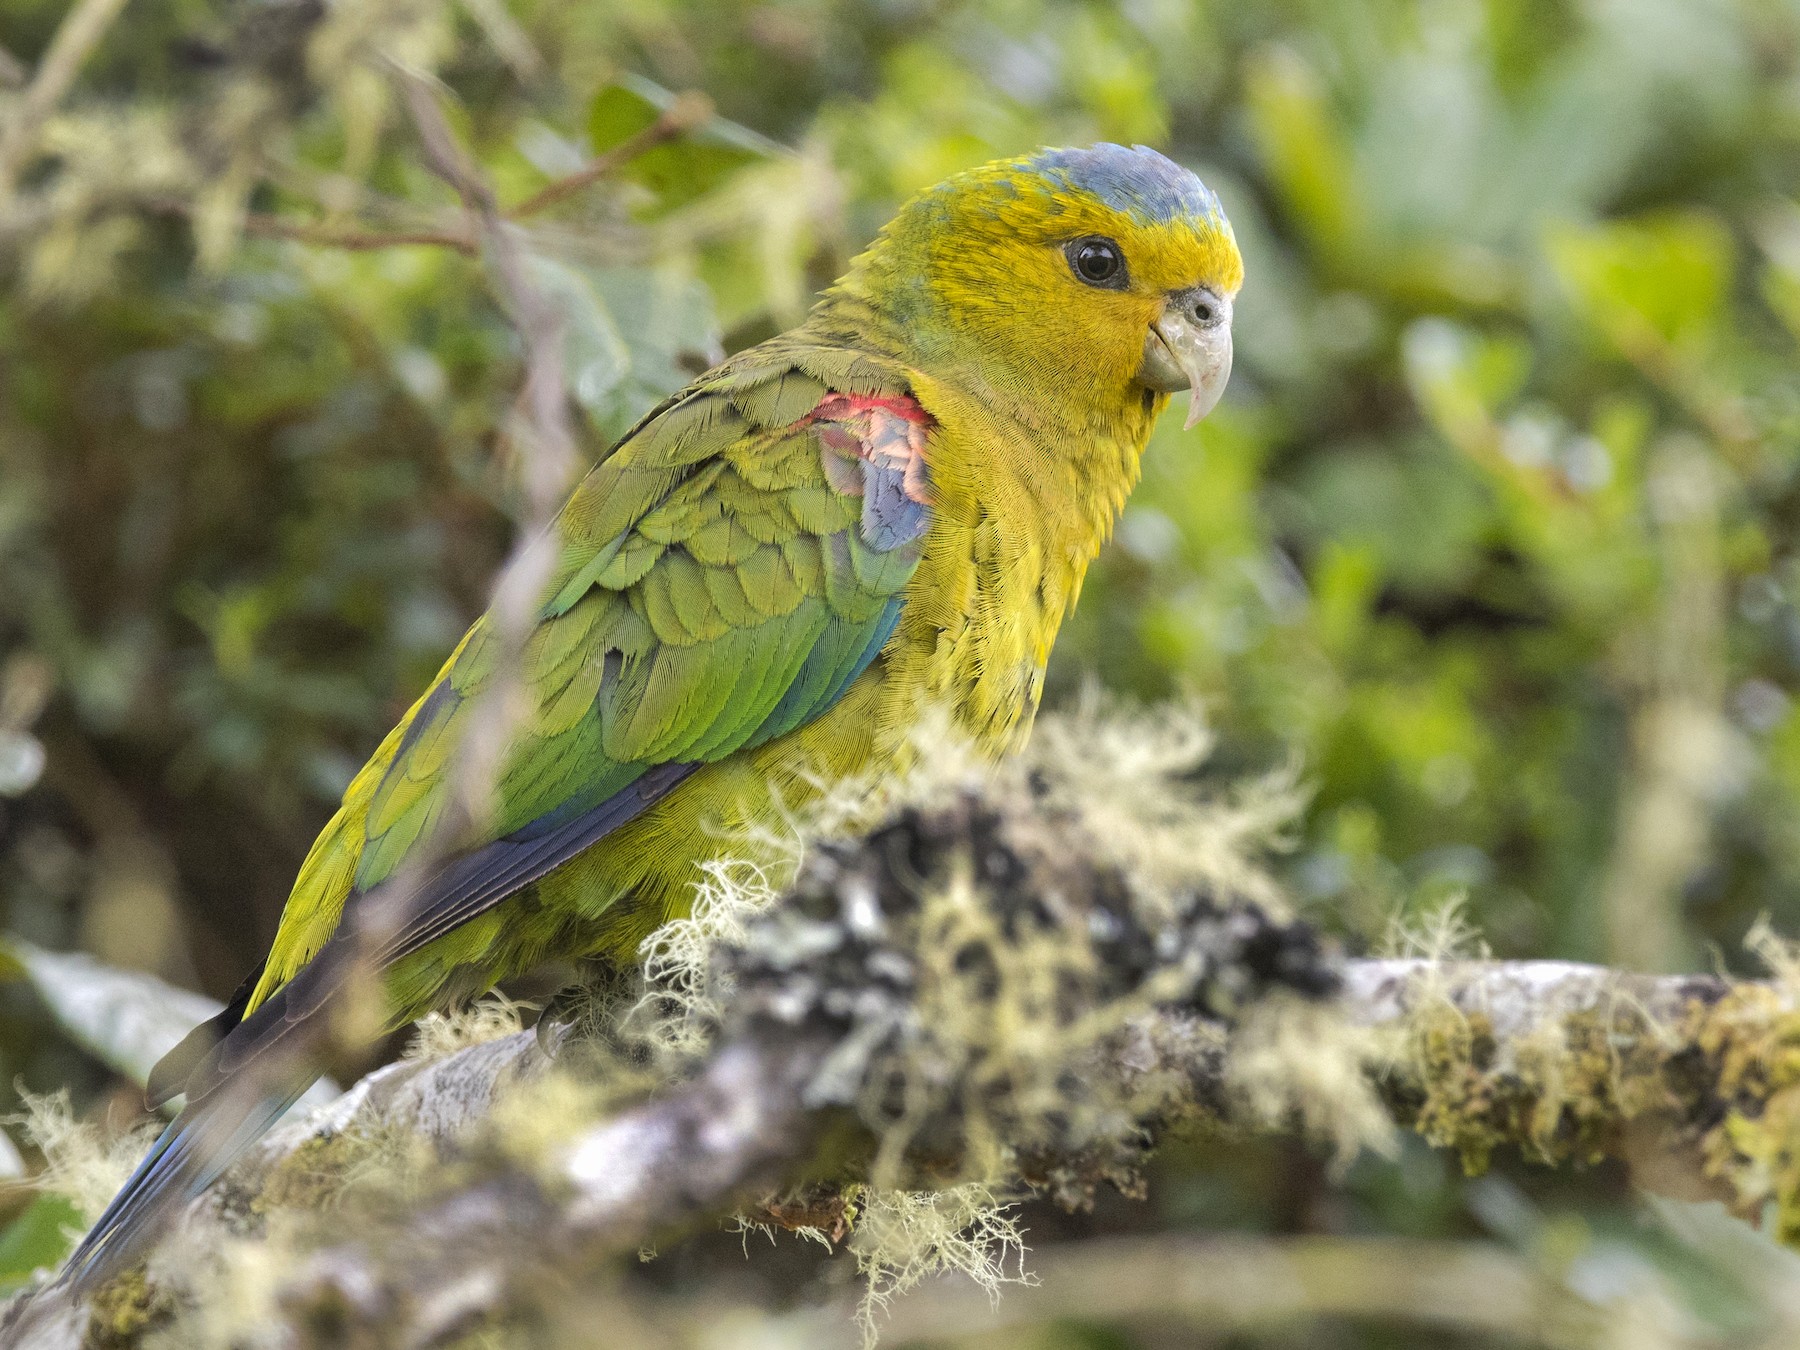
[
  {"x": 1128, "y": 774},
  {"x": 1292, "y": 1062},
  {"x": 684, "y": 993},
  {"x": 83, "y": 1163},
  {"x": 1437, "y": 933},
  {"x": 997, "y": 931},
  {"x": 86, "y": 1164},
  {"x": 1119, "y": 777},
  {"x": 984, "y": 963},
  {"x": 382, "y": 1159},
  {"x": 235, "y": 1283},
  {"x": 485, "y": 1019},
  {"x": 903, "y": 1237}
]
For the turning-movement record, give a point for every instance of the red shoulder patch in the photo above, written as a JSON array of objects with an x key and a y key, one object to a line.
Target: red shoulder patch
[
  {"x": 843, "y": 407},
  {"x": 874, "y": 448}
]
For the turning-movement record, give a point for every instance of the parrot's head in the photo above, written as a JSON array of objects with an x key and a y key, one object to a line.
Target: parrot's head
[{"x": 1101, "y": 274}]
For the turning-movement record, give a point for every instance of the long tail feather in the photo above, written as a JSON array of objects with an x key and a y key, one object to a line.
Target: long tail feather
[
  {"x": 191, "y": 1154},
  {"x": 245, "y": 1080},
  {"x": 168, "y": 1079}
]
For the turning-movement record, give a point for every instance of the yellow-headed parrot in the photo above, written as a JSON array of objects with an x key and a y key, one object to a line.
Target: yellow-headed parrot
[{"x": 761, "y": 588}]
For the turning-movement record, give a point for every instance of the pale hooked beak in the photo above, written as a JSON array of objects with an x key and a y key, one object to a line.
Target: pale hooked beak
[{"x": 1189, "y": 347}]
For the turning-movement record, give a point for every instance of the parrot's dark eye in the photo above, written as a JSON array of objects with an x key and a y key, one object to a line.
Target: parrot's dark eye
[{"x": 1097, "y": 261}]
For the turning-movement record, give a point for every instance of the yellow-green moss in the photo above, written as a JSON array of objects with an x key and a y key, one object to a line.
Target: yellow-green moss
[
  {"x": 1722, "y": 1078},
  {"x": 1752, "y": 1035},
  {"x": 125, "y": 1309},
  {"x": 315, "y": 1175},
  {"x": 1560, "y": 1092}
]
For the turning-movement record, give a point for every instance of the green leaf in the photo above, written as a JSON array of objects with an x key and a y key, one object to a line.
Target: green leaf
[
  {"x": 633, "y": 335},
  {"x": 676, "y": 171},
  {"x": 667, "y": 318},
  {"x": 1662, "y": 277},
  {"x": 595, "y": 354},
  {"x": 125, "y": 1019},
  {"x": 617, "y": 114},
  {"x": 718, "y": 130},
  {"x": 38, "y": 1239}
]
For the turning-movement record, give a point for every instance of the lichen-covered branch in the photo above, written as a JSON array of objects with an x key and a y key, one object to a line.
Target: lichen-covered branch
[
  {"x": 1692, "y": 1080},
  {"x": 987, "y": 994},
  {"x": 1555, "y": 1058},
  {"x": 1552, "y": 1057}
]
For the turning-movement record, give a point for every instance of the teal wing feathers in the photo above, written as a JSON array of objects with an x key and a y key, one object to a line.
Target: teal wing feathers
[{"x": 721, "y": 576}]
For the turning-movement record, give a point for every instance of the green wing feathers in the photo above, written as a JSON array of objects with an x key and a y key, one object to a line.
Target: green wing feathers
[{"x": 723, "y": 575}]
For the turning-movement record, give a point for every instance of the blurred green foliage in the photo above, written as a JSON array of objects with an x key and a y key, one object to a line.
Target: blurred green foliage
[
  {"x": 35, "y": 1239},
  {"x": 1492, "y": 534}
]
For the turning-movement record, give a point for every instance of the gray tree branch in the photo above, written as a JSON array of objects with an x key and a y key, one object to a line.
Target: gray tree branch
[
  {"x": 742, "y": 1124},
  {"x": 970, "y": 995}
]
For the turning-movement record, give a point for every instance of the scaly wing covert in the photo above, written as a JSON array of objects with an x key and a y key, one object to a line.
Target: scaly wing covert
[{"x": 723, "y": 575}]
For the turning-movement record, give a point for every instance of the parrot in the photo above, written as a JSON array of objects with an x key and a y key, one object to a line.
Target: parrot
[{"x": 764, "y": 586}]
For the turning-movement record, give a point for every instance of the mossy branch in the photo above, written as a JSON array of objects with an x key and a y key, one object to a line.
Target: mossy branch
[
  {"x": 977, "y": 998},
  {"x": 1561, "y": 1060}
]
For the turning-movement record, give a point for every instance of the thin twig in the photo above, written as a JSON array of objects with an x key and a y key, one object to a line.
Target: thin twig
[
  {"x": 448, "y": 160},
  {"x": 1242, "y": 1283},
  {"x": 354, "y": 238},
  {"x": 688, "y": 111},
  {"x": 541, "y": 435},
  {"x": 357, "y": 240},
  {"x": 655, "y": 1168},
  {"x": 1681, "y": 743},
  {"x": 75, "y": 38},
  {"x": 544, "y": 436}
]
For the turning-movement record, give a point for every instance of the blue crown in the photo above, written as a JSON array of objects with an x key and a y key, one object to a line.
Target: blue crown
[{"x": 1139, "y": 181}]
